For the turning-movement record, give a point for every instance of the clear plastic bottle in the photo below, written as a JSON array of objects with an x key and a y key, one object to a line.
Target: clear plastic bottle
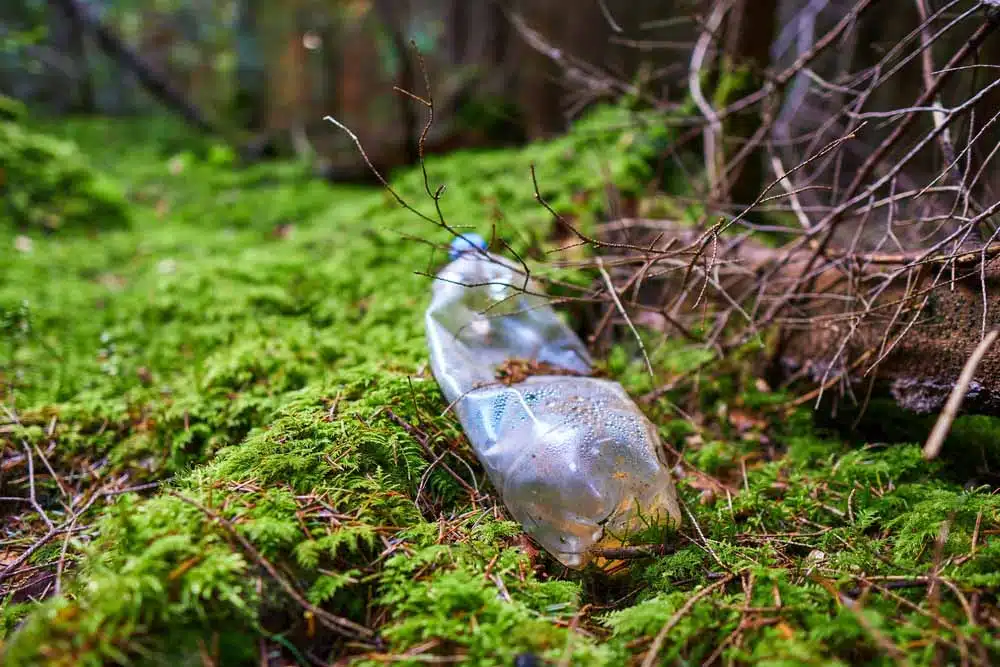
[{"x": 574, "y": 460}]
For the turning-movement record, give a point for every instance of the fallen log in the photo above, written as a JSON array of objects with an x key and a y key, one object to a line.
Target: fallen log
[
  {"x": 902, "y": 326},
  {"x": 921, "y": 357}
]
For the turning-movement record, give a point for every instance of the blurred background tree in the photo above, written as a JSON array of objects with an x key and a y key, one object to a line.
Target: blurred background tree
[
  {"x": 271, "y": 70},
  {"x": 264, "y": 74}
]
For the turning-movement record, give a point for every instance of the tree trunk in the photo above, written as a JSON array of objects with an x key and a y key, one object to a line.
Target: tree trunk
[
  {"x": 67, "y": 35},
  {"x": 405, "y": 80},
  {"x": 251, "y": 82},
  {"x": 85, "y": 101},
  {"x": 747, "y": 43}
]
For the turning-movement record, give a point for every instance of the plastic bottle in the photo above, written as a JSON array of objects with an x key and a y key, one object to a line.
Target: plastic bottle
[{"x": 573, "y": 458}]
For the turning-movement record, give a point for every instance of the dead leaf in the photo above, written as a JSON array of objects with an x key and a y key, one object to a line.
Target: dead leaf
[
  {"x": 113, "y": 282},
  {"x": 745, "y": 422},
  {"x": 162, "y": 208},
  {"x": 516, "y": 370},
  {"x": 283, "y": 230}
]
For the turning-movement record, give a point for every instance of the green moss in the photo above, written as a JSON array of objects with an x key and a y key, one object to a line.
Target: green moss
[
  {"x": 46, "y": 183},
  {"x": 11, "y": 109},
  {"x": 254, "y": 345}
]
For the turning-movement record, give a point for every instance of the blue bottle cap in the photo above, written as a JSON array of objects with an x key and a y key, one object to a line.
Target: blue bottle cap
[{"x": 467, "y": 242}]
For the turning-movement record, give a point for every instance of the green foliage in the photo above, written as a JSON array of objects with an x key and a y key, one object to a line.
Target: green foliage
[
  {"x": 254, "y": 344},
  {"x": 11, "y": 109},
  {"x": 47, "y": 183},
  {"x": 154, "y": 566}
]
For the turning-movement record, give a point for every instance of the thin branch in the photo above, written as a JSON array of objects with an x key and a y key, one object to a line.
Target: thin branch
[
  {"x": 940, "y": 431},
  {"x": 621, "y": 309},
  {"x": 661, "y": 636},
  {"x": 342, "y": 626},
  {"x": 608, "y": 17}
]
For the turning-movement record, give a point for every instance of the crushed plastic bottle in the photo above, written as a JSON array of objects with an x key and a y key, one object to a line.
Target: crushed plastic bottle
[{"x": 573, "y": 458}]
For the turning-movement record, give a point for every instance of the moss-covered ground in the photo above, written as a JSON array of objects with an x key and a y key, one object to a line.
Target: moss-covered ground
[{"x": 222, "y": 446}]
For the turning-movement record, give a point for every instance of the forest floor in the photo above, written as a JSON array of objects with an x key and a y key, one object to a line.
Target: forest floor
[{"x": 223, "y": 446}]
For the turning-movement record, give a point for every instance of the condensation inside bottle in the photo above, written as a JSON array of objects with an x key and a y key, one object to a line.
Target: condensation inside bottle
[{"x": 575, "y": 461}]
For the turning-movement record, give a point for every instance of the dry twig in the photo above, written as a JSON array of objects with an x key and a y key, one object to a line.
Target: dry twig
[
  {"x": 661, "y": 636},
  {"x": 340, "y": 625},
  {"x": 936, "y": 439}
]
